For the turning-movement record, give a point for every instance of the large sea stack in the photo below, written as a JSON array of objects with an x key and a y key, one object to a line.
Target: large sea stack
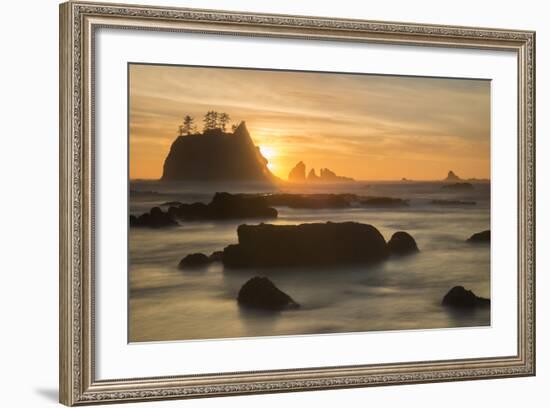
[{"x": 216, "y": 156}]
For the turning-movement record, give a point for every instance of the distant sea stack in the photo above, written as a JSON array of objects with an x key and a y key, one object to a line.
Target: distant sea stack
[
  {"x": 216, "y": 156},
  {"x": 298, "y": 174},
  {"x": 451, "y": 176}
]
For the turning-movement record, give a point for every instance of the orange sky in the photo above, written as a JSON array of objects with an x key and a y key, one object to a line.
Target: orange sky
[{"x": 368, "y": 127}]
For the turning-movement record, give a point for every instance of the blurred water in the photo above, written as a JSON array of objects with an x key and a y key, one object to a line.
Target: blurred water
[{"x": 398, "y": 294}]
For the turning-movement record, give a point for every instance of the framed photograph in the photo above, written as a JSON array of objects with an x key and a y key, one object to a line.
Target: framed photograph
[{"x": 256, "y": 203}]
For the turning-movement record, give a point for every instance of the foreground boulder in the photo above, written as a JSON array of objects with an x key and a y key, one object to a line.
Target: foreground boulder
[
  {"x": 225, "y": 206},
  {"x": 193, "y": 261},
  {"x": 319, "y": 244},
  {"x": 484, "y": 236},
  {"x": 155, "y": 218},
  {"x": 260, "y": 292},
  {"x": 402, "y": 243},
  {"x": 458, "y": 297}
]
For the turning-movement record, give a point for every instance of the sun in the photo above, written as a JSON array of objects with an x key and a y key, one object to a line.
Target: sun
[{"x": 269, "y": 153}]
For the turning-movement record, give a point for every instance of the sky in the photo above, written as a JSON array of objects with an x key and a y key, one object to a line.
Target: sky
[{"x": 369, "y": 127}]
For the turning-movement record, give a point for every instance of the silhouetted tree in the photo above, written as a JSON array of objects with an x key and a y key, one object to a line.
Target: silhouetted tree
[
  {"x": 210, "y": 120},
  {"x": 224, "y": 120},
  {"x": 234, "y": 127},
  {"x": 187, "y": 125},
  {"x": 180, "y": 130}
]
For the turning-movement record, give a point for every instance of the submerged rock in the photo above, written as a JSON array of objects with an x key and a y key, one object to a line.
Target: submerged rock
[
  {"x": 453, "y": 202},
  {"x": 216, "y": 256},
  {"x": 384, "y": 202},
  {"x": 316, "y": 244},
  {"x": 155, "y": 218},
  {"x": 260, "y": 292},
  {"x": 459, "y": 297},
  {"x": 402, "y": 243},
  {"x": 483, "y": 236},
  {"x": 193, "y": 261},
  {"x": 459, "y": 186},
  {"x": 311, "y": 201}
]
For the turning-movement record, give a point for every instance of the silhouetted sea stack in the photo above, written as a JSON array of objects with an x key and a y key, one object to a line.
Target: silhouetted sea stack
[
  {"x": 216, "y": 156},
  {"x": 484, "y": 236},
  {"x": 193, "y": 261},
  {"x": 319, "y": 244},
  {"x": 459, "y": 297},
  {"x": 402, "y": 243},
  {"x": 260, "y": 292},
  {"x": 155, "y": 218}
]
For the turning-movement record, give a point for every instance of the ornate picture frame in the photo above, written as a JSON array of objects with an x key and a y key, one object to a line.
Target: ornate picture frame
[{"x": 78, "y": 24}]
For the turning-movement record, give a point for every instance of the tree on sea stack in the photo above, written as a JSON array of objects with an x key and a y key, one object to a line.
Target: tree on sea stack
[
  {"x": 224, "y": 120},
  {"x": 187, "y": 127},
  {"x": 210, "y": 120}
]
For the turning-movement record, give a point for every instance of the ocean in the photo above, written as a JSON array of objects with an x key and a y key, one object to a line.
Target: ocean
[{"x": 401, "y": 293}]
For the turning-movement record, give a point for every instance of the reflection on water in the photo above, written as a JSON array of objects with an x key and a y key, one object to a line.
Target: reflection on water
[{"x": 398, "y": 294}]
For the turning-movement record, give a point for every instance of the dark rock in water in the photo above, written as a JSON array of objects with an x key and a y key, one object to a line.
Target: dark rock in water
[
  {"x": 484, "y": 236},
  {"x": 192, "y": 261},
  {"x": 225, "y": 206},
  {"x": 453, "y": 202},
  {"x": 298, "y": 172},
  {"x": 216, "y": 256},
  {"x": 310, "y": 201},
  {"x": 216, "y": 156},
  {"x": 318, "y": 244},
  {"x": 459, "y": 186},
  {"x": 402, "y": 243},
  {"x": 459, "y": 297},
  {"x": 155, "y": 218},
  {"x": 260, "y": 292},
  {"x": 384, "y": 202}
]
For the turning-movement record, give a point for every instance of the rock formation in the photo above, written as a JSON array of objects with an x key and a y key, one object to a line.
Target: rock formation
[
  {"x": 155, "y": 218},
  {"x": 459, "y": 297},
  {"x": 260, "y": 292},
  {"x": 316, "y": 244},
  {"x": 216, "y": 156},
  {"x": 311, "y": 176},
  {"x": 484, "y": 236},
  {"x": 225, "y": 206},
  {"x": 402, "y": 243},
  {"x": 298, "y": 173}
]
